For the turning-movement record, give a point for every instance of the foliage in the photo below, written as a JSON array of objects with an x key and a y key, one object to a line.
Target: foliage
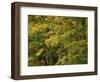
[{"x": 57, "y": 40}]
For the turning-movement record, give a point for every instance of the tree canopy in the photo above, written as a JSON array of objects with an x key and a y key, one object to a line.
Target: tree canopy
[{"x": 57, "y": 40}]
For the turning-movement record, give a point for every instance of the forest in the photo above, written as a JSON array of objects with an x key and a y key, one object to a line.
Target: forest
[{"x": 57, "y": 40}]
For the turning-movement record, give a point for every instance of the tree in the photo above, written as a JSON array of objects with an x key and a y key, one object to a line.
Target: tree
[{"x": 57, "y": 40}]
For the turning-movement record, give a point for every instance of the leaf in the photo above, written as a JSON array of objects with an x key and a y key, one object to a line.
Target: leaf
[{"x": 39, "y": 52}]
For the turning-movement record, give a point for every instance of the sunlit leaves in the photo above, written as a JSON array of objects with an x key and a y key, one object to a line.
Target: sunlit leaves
[
  {"x": 39, "y": 52},
  {"x": 52, "y": 41},
  {"x": 57, "y": 40}
]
